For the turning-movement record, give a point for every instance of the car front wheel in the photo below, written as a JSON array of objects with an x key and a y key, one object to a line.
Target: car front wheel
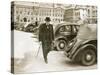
[
  {"x": 61, "y": 45},
  {"x": 88, "y": 57}
]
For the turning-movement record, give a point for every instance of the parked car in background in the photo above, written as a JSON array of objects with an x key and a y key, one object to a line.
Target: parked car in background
[
  {"x": 30, "y": 27},
  {"x": 19, "y": 26},
  {"x": 64, "y": 32},
  {"x": 84, "y": 51}
]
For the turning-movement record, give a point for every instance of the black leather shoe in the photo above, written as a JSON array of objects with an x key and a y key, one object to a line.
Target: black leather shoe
[{"x": 46, "y": 61}]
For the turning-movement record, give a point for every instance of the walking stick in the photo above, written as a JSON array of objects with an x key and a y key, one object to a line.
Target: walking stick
[{"x": 38, "y": 50}]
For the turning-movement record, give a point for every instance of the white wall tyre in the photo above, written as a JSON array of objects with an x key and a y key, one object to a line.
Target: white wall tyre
[
  {"x": 88, "y": 57},
  {"x": 61, "y": 45}
]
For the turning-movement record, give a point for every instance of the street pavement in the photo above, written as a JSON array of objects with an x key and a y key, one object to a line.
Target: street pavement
[{"x": 29, "y": 59}]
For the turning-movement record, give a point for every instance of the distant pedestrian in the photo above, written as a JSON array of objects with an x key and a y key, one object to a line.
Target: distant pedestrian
[
  {"x": 46, "y": 36},
  {"x": 36, "y": 23}
]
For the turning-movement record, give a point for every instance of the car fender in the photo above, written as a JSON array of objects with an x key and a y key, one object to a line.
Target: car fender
[
  {"x": 87, "y": 41},
  {"x": 81, "y": 48},
  {"x": 60, "y": 37},
  {"x": 80, "y": 44}
]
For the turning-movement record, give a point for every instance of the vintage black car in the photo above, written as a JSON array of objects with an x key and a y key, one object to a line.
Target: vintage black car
[
  {"x": 64, "y": 32},
  {"x": 30, "y": 27},
  {"x": 84, "y": 51}
]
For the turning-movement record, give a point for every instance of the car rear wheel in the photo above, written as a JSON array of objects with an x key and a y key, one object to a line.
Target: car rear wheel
[
  {"x": 61, "y": 45},
  {"x": 88, "y": 57}
]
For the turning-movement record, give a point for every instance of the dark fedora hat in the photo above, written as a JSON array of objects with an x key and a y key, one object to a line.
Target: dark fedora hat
[{"x": 47, "y": 19}]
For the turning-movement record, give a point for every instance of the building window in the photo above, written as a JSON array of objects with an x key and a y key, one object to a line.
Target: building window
[
  {"x": 53, "y": 14},
  {"x": 31, "y": 13},
  {"x": 56, "y": 19},
  {"x": 88, "y": 11},
  {"x": 21, "y": 20},
  {"x": 17, "y": 12},
  {"x": 28, "y": 20},
  {"x": 25, "y": 19},
  {"x": 50, "y": 10},
  {"x": 28, "y": 13},
  {"x": 32, "y": 18},
  {"x": 18, "y": 17},
  {"x": 56, "y": 15},
  {"x": 20, "y": 12}
]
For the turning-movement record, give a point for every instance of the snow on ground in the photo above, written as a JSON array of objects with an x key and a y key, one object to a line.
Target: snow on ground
[
  {"x": 30, "y": 59},
  {"x": 23, "y": 43}
]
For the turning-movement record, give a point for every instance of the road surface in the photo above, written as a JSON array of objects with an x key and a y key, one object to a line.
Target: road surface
[{"x": 28, "y": 60}]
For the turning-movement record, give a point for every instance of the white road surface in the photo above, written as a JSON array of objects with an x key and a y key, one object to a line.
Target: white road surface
[{"x": 27, "y": 60}]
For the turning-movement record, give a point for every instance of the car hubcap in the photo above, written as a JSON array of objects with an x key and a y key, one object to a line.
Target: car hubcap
[
  {"x": 62, "y": 45},
  {"x": 88, "y": 57}
]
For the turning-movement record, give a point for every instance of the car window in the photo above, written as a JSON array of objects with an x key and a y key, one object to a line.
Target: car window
[
  {"x": 66, "y": 28},
  {"x": 74, "y": 29},
  {"x": 62, "y": 29},
  {"x": 77, "y": 27}
]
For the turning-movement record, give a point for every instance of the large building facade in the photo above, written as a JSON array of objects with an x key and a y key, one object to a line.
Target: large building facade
[
  {"x": 78, "y": 12},
  {"x": 33, "y": 11},
  {"x": 22, "y": 12}
]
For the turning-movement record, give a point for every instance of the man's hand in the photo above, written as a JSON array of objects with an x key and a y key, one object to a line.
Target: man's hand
[{"x": 52, "y": 45}]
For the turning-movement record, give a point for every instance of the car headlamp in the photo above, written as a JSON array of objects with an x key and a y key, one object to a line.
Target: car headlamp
[{"x": 71, "y": 43}]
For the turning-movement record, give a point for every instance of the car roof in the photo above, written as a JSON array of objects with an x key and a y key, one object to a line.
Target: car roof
[{"x": 65, "y": 24}]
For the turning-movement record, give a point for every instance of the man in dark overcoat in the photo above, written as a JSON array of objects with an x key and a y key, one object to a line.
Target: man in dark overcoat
[{"x": 46, "y": 37}]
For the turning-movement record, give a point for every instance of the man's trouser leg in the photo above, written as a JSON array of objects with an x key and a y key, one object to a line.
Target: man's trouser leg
[{"x": 46, "y": 46}]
